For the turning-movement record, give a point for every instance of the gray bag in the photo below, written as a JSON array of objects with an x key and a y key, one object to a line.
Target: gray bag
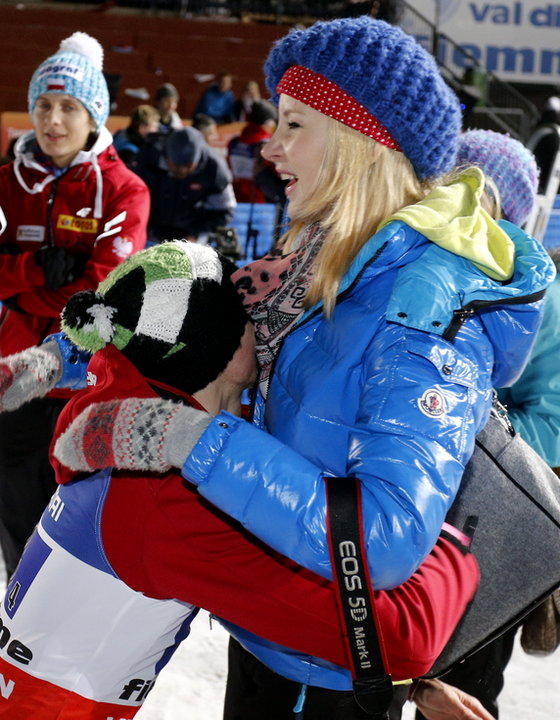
[{"x": 509, "y": 501}]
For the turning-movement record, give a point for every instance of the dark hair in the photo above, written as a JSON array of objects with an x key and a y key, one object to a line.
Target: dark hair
[
  {"x": 201, "y": 121},
  {"x": 166, "y": 90},
  {"x": 262, "y": 111}
]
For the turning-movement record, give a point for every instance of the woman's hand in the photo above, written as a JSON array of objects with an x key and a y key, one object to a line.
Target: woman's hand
[
  {"x": 437, "y": 700},
  {"x": 133, "y": 434}
]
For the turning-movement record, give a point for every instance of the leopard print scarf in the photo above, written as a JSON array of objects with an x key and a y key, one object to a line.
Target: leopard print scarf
[{"x": 273, "y": 290}]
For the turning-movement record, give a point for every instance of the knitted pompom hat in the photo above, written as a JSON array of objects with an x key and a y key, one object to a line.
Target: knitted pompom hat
[
  {"x": 510, "y": 165},
  {"x": 171, "y": 310},
  {"x": 76, "y": 69},
  {"x": 375, "y": 78}
]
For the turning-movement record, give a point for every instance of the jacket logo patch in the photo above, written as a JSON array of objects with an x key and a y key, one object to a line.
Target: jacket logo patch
[
  {"x": 98, "y": 104},
  {"x": 84, "y": 212},
  {"x": 76, "y": 224},
  {"x": 122, "y": 247},
  {"x": 30, "y": 233},
  {"x": 432, "y": 403}
]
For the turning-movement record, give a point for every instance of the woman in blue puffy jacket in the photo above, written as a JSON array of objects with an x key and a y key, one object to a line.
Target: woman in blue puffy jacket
[{"x": 395, "y": 306}]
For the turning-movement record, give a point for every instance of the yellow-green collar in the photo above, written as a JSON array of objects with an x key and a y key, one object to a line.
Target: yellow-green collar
[{"x": 452, "y": 217}]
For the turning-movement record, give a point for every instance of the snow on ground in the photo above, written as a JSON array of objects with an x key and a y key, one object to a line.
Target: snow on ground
[{"x": 191, "y": 686}]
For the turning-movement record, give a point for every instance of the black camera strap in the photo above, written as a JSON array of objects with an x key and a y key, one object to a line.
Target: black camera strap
[{"x": 372, "y": 685}]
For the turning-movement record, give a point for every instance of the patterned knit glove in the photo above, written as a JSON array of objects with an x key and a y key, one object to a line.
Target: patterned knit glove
[
  {"x": 133, "y": 434},
  {"x": 28, "y": 374}
]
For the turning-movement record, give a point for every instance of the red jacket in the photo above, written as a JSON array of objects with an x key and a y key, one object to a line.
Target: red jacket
[
  {"x": 98, "y": 207},
  {"x": 242, "y": 158}
]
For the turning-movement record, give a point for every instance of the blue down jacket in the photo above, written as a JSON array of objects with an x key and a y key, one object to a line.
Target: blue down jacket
[{"x": 392, "y": 389}]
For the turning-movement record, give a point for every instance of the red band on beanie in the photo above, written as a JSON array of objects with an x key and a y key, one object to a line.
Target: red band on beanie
[{"x": 330, "y": 99}]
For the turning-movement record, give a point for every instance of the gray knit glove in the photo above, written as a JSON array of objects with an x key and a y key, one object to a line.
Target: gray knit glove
[
  {"x": 134, "y": 434},
  {"x": 28, "y": 374}
]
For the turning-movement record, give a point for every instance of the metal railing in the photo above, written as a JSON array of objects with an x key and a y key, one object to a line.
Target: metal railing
[{"x": 495, "y": 104}]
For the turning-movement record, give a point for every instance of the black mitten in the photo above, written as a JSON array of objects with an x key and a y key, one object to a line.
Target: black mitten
[
  {"x": 60, "y": 266},
  {"x": 11, "y": 304},
  {"x": 9, "y": 249}
]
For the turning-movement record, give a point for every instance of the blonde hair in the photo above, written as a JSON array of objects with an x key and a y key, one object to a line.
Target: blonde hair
[
  {"x": 490, "y": 198},
  {"x": 143, "y": 115},
  {"x": 252, "y": 87},
  {"x": 360, "y": 183}
]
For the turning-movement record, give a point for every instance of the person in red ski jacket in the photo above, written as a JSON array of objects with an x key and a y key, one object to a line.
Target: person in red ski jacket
[
  {"x": 244, "y": 152},
  {"x": 70, "y": 211}
]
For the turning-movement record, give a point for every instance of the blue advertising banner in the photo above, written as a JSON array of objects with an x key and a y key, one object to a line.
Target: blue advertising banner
[{"x": 518, "y": 41}]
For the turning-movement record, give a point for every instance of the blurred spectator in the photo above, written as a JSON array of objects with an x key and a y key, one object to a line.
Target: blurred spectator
[
  {"x": 71, "y": 211},
  {"x": 10, "y": 154},
  {"x": 244, "y": 152},
  {"x": 551, "y": 111},
  {"x": 218, "y": 100},
  {"x": 166, "y": 101},
  {"x": 207, "y": 126},
  {"x": 388, "y": 10},
  {"x": 243, "y": 105},
  {"x": 143, "y": 120},
  {"x": 190, "y": 186},
  {"x": 547, "y": 147}
]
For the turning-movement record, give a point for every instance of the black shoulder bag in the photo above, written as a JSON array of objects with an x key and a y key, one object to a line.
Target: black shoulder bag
[{"x": 513, "y": 498}]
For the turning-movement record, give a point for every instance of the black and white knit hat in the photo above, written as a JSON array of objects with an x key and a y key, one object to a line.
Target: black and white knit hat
[{"x": 171, "y": 310}]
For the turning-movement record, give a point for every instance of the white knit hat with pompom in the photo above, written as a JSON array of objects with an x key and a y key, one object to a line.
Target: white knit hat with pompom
[{"x": 76, "y": 70}]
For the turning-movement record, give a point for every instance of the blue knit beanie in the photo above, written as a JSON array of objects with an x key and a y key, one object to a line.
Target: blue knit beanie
[
  {"x": 509, "y": 164},
  {"x": 76, "y": 70},
  {"x": 385, "y": 71}
]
